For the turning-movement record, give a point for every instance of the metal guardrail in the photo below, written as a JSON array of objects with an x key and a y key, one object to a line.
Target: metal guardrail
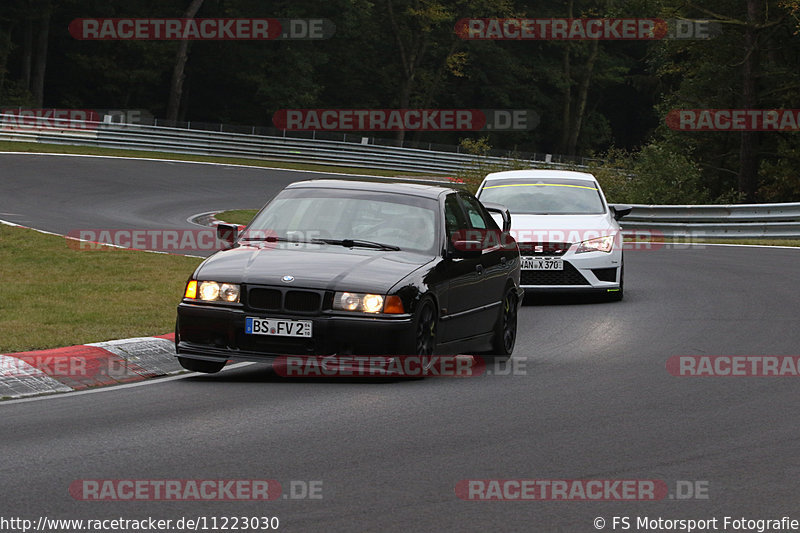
[
  {"x": 743, "y": 221},
  {"x": 244, "y": 145},
  {"x": 674, "y": 221}
]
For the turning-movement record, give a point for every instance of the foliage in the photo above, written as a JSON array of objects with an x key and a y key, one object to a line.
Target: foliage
[
  {"x": 653, "y": 175},
  {"x": 472, "y": 174},
  {"x": 591, "y": 97}
]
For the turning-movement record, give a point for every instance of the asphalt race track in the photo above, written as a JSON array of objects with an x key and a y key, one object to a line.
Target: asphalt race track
[
  {"x": 591, "y": 399},
  {"x": 62, "y": 194}
]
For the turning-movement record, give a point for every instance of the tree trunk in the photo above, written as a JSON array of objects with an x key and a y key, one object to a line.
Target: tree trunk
[
  {"x": 405, "y": 102},
  {"x": 437, "y": 80},
  {"x": 5, "y": 51},
  {"x": 410, "y": 58},
  {"x": 748, "y": 148},
  {"x": 408, "y": 74},
  {"x": 566, "y": 110},
  {"x": 40, "y": 65},
  {"x": 27, "y": 54},
  {"x": 176, "y": 85},
  {"x": 583, "y": 95},
  {"x": 186, "y": 98}
]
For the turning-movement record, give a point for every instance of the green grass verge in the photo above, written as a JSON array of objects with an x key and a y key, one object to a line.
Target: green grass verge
[
  {"x": 237, "y": 216},
  {"x": 55, "y": 295},
  {"x": 14, "y": 146}
]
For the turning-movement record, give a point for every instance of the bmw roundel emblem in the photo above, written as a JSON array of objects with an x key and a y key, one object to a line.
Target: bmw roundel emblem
[{"x": 287, "y": 278}]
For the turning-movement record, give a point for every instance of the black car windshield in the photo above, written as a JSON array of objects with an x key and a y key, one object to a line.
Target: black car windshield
[
  {"x": 314, "y": 214},
  {"x": 545, "y": 196}
]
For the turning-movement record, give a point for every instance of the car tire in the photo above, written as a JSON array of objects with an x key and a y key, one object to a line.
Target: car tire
[
  {"x": 196, "y": 365},
  {"x": 617, "y": 296},
  {"x": 425, "y": 328},
  {"x": 505, "y": 330}
]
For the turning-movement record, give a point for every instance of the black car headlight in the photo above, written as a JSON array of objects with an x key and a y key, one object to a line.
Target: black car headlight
[{"x": 212, "y": 291}]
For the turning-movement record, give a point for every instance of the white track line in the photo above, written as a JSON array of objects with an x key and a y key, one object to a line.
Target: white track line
[
  {"x": 7, "y": 223},
  {"x": 253, "y": 167},
  {"x": 740, "y": 245},
  {"x": 153, "y": 381}
]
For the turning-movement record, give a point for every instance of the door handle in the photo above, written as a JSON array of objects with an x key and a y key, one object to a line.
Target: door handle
[{"x": 479, "y": 268}]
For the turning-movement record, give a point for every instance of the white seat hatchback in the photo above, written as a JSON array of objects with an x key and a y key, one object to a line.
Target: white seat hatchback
[{"x": 568, "y": 235}]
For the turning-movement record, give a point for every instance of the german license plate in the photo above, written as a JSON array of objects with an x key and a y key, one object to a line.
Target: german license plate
[
  {"x": 278, "y": 327},
  {"x": 542, "y": 263}
]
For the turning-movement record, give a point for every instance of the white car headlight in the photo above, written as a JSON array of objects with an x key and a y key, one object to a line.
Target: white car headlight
[
  {"x": 212, "y": 291},
  {"x": 229, "y": 292},
  {"x": 209, "y": 291},
  {"x": 354, "y": 301},
  {"x": 600, "y": 244}
]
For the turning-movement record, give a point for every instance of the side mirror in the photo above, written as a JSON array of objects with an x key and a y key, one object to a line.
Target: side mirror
[
  {"x": 227, "y": 232},
  {"x": 502, "y": 211},
  {"x": 620, "y": 211},
  {"x": 465, "y": 249}
]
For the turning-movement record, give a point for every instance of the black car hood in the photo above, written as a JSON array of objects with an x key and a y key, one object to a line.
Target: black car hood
[{"x": 312, "y": 266}]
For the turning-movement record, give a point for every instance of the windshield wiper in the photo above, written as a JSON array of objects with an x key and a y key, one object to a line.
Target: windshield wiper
[
  {"x": 275, "y": 238},
  {"x": 350, "y": 243}
]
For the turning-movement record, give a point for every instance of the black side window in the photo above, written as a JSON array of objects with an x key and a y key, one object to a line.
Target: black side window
[
  {"x": 453, "y": 216},
  {"x": 475, "y": 212}
]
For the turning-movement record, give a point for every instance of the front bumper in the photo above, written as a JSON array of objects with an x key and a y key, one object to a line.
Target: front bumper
[
  {"x": 589, "y": 272},
  {"x": 216, "y": 333}
]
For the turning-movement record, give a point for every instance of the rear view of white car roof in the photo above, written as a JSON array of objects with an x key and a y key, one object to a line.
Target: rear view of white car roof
[{"x": 539, "y": 174}]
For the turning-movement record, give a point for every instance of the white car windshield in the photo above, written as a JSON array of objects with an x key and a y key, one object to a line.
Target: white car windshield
[{"x": 545, "y": 196}]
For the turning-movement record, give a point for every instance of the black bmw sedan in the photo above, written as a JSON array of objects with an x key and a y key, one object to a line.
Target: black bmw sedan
[{"x": 332, "y": 267}]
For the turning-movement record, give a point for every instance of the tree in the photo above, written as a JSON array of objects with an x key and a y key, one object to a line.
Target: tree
[
  {"x": 176, "y": 85},
  {"x": 40, "y": 64},
  {"x": 426, "y": 43},
  {"x": 750, "y": 65},
  {"x": 33, "y": 17}
]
